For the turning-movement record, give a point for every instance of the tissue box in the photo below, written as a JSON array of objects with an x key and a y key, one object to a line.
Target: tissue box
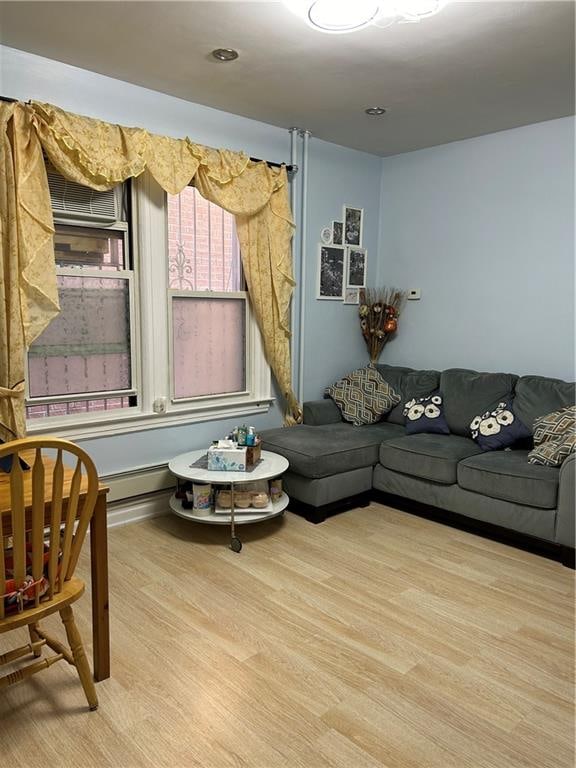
[{"x": 227, "y": 459}]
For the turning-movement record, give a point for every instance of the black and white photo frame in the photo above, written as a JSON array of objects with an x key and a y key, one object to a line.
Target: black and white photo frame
[
  {"x": 352, "y": 221},
  {"x": 331, "y": 272},
  {"x": 337, "y": 232},
  {"x": 356, "y": 259}
]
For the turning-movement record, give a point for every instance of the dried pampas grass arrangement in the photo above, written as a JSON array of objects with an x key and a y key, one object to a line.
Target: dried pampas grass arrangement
[{"x": 379, "y": 311}]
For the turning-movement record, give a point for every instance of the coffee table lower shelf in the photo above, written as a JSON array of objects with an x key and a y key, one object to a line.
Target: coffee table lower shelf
[{"x": 240, "y": 518}]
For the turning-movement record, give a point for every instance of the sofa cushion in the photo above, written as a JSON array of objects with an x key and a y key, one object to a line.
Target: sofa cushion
[
  {"x": 363, "y": 396},
  {"x": 432, "y": 457},
  {"x": 537, "y": 395},
  {"x": 468, "y": 393},
  {"x": 498, "y": 428},
  {"x": 508, "y": 476},
  {"x": 409, "y": 384},
  {"x": 330, "y": 449}
]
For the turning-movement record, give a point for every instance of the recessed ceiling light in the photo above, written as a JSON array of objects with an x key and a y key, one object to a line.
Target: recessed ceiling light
[
  {"x": 375, "y": 111},
  {"x": 225, "y": 54}
]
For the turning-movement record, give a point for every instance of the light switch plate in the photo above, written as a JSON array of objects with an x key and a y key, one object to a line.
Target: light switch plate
[{"x": 414, "y": 294}]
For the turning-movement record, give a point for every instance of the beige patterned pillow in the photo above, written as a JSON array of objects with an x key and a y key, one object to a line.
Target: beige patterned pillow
[
  {"x": 363, "y": 396},
  {"x": 554, "y": 437}
]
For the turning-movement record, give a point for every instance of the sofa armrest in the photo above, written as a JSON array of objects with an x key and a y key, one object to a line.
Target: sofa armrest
[
  {"x": 318, "y": 412},
  {"x": 566, "y": 514}
]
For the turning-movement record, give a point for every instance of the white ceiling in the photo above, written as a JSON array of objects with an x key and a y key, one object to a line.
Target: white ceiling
[{"x": 475, "y": 68}]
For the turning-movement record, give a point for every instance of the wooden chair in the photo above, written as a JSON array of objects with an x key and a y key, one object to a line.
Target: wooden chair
[{"x": 40, "y": 542}]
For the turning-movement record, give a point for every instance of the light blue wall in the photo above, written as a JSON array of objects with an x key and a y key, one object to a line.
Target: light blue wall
[
  {"x": 485, "y": 227},
  {"x": 337, "y": 175}
]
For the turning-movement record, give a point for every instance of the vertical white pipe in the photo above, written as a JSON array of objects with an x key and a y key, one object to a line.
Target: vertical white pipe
[
  {"x": 293, "y": 162},
  {"x": 303, "y": 232},
  {"x": 293, "y": 196}
]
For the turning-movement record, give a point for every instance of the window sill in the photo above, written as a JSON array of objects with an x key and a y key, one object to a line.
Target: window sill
[{"x": 110, "y": 424}]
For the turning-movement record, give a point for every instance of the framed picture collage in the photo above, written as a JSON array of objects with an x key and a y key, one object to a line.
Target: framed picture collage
[{"x": 342, "y": 260}]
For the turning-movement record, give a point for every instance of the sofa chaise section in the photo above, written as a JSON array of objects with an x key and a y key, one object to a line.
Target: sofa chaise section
[{"x": 329, "y": 463}]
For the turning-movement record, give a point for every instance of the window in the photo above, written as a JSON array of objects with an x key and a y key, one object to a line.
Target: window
[
  {"x": 155, "y": 324},
  {"x": 208, "y": 303},
  {"x": 83, "y": 362}
]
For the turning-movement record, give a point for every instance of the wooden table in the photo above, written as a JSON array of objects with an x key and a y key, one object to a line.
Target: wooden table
[{"x": 98, "y": 562}]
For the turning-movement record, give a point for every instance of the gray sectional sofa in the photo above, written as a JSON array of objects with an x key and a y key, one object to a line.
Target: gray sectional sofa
[{"x": 334, "y": 464}]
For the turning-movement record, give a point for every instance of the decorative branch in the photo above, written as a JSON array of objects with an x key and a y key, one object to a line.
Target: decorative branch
[{"x": 379, "y": 311}]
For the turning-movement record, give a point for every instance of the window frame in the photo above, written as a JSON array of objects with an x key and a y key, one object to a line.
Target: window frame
[
  {"x": 151, "y": 347},
  {"x": 40, "y": 424},
  {"x": 231, "y": 295}
]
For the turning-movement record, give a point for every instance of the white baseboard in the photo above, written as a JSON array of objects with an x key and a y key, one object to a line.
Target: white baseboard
[{"x": 140, "y": 508}]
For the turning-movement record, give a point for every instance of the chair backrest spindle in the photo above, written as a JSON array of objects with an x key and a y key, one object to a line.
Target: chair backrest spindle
[
  {"x": 70, "y": 518},
  {"x": 54, "y": 581},
  {"x": 2, "y": 567},
  {"x": 37, "y": 538},
  {"x": 18, "y": 522}
]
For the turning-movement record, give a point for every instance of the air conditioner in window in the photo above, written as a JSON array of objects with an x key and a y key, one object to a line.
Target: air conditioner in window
[{"x": 75, "y": 201}]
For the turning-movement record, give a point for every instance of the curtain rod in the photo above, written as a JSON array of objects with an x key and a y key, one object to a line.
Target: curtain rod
[{"x": 289, "y": 168}]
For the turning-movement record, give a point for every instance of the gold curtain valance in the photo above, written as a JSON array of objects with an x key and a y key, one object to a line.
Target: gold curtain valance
[{"x": 100, "y": 155}]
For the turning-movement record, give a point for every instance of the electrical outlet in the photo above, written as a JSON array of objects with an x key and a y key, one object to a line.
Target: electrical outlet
[{"x": 414, "y": 294}]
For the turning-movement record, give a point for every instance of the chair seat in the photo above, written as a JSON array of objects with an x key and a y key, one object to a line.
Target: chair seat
[{"x": 71, "y": 591}]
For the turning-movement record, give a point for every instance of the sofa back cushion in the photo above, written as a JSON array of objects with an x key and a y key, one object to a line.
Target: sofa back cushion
[
  {"x": 468, "y": 393},
  {"x": 408, "y": 383},
  {"x": 537, "y": 395}
]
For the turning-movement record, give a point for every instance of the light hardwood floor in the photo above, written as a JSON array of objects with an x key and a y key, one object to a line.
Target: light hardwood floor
[{"x": 374, "y": 639}]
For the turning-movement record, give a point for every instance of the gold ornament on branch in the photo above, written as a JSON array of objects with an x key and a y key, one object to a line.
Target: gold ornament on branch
[{"x": 379, "y": 310}]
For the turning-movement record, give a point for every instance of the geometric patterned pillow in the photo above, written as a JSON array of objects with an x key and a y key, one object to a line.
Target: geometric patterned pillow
[
  {"x": 363, "y": 396},
  {"x": 554, "y": 437}
]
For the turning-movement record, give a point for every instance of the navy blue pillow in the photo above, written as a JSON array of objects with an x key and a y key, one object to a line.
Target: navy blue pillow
[
  {"x": 498, "y": 428},
  {"x": 426, "y": 414}
]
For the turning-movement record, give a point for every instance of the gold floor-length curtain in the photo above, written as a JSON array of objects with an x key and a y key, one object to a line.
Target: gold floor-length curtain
[
  {"x": 28, "y": 292},
  {"x": 265, "y": 237},
  {"x": 101, "y": 155}
]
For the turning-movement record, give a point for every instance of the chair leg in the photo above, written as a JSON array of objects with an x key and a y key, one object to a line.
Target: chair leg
[
  {"x": 80, "y": 660},
  {"x": 34, "y": 638}
]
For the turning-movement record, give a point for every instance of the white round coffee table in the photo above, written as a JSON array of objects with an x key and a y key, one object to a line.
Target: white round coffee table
[{"x": 271, "y": 465}]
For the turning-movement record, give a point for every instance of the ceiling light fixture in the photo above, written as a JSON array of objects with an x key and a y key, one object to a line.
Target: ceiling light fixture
[
  {"x": 225, "y": 54},
  {"x": 340, "y": 16},
  {"x": 377, "y": 111}
]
